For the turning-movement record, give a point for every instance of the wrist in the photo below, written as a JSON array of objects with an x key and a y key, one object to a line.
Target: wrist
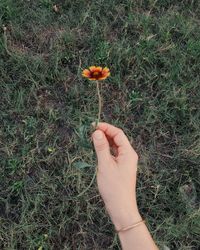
[{"x": 126, "y": 216}]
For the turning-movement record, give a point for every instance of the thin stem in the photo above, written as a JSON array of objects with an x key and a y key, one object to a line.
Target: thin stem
[
  {"x": 100, "y": 101},
  {"x": 88, "y": 187}
]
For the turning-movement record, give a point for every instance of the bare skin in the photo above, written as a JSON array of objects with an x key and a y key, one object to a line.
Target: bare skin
[{"x": 116, "y": 179}]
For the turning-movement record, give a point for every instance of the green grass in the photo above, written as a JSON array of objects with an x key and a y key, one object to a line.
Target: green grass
[{"x": 48, "y": 196}]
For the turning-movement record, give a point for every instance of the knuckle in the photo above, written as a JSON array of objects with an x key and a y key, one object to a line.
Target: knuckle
[{"x": 120, "y": 131}]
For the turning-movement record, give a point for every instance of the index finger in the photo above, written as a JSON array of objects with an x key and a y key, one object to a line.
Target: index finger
[{"x": 118, "y": 136}]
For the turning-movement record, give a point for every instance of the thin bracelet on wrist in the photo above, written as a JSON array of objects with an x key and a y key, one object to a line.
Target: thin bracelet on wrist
[{"x": 130, "y": 227}]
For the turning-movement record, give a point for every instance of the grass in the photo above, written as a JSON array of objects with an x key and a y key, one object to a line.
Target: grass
[{"x": 48, "y": 194}]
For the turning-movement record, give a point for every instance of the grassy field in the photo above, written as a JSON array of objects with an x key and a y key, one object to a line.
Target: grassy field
[{"x": 48, "y": 194}]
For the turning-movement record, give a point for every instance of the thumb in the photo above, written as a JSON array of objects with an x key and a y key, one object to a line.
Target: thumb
[{"x": 101, "y": 146}]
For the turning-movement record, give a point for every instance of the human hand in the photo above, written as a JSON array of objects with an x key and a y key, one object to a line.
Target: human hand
[{"x": 116, "y": 175}]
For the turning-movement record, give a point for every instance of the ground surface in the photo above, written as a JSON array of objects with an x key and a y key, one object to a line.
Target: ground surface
[{"x": 48, "y": 195}]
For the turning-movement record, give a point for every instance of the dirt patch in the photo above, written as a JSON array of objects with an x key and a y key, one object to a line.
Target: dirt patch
[
  {"x": 46, "y": 101},
  {"x": 40, "y": 43},
  {"x": 46, "y": 38}
]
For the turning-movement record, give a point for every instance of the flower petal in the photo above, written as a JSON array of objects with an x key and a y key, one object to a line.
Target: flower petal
[
  {"x": 86, "y": 73},
  {"x": 105, "y": 70},
  {"x": 98, "y": 69},
  {"x": 92, "y": 79},
  {"x": 107, "y": 74},
  {"x": 102, "y": 78},
  {"x": 92, "y": 68}
]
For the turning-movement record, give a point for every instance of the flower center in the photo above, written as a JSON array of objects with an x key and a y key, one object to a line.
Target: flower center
[{"x": 96, "y": 73}]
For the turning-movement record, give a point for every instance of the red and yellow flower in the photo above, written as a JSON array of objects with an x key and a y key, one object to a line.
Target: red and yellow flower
[{"x": 95, "y": 73}]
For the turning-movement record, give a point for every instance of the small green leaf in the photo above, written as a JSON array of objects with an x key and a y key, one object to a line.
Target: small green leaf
[{"x": 82, "y": 164}]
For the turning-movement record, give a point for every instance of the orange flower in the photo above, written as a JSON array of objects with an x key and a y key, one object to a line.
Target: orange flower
[{"x": 96, "y": 73}]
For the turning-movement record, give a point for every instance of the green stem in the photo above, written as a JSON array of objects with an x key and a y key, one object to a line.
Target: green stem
[
  {"x": 100, "y": 101},
  {"x": 88, "y": 187}
]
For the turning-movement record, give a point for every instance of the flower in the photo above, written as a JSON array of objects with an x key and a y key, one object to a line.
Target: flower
[{"x": 96, "y": 73}]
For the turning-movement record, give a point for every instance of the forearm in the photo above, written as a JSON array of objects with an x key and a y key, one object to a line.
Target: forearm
[{"x": 137, "y": 238}]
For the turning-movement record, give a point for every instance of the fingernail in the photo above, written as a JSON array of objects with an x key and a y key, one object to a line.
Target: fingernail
[
  {"x": 98, "y": 135},
  {"x": 94, "y": 124}
]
